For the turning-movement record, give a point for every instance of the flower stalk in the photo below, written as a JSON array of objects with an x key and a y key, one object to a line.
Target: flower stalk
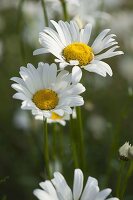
[
  {"x": 81, "y": 138},
  {"x": 64, "y": 8},
  {"x": 45, "y": 12},
  {"x": 46, "y": 149}
]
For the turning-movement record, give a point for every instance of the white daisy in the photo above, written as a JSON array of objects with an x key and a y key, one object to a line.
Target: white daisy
[
  {"x": 57, "y": 189},
  {"x": 71, "y": 46},
  {"x": 55, "y": 118},
  {"x": 44, "y": 91}
]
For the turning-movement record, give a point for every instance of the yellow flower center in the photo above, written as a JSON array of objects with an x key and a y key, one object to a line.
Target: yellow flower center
[
  {"x": 78, "y": 51},
  {"x": 55, "y": 116},
  {"x": 45, "y": 99}
]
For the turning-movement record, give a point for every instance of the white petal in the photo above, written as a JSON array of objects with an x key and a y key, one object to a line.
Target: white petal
[
  {"x": 72, "y": 101},
  {"x": 59, "y": 111},
  {"x": 76, "y": 74},
  {"x": 91, "y": 189},
  {"x": 60, "y": 32},
  {"x": 63, "y": 190},
  {"x": 41, "y": 195},
  {"x": 103, "y": 194},
  {"x": 74, "y": 62},
  {"x": 63, "y": 65},
  {"x": 19, "y": 96},
  {"x": 87, "y": 33},
  {"x": 49, "y": 188},
  {"x": 99, "y": 38},
  {"x": 66, "y": 32},
  {"x": 74, "y": 29},
  {"x": 109, "y": 53},
  {"x": 99, "y": 67},
  {"x": 40, "y": 51},
  {"x": 77, "y": 184}
]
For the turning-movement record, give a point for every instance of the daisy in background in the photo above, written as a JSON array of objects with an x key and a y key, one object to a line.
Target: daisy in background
[
  {"x": 58, "y": 189},
  {"x": 44, "y": 91},
  {"x": 93, "y": 13},
  {"x": 73, "y": 2},
  {"x": 55, "y": 8},
  {"x": 55, "y": 118},
  {"x": 71, "y": 46}
]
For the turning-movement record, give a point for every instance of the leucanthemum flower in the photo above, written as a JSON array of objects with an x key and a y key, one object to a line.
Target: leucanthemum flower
[
  {"x": 58, "y": 189},
  {"x": 71, "y": 46},
  {"x": 55, "y": 118},
  {"x": 45, "y": 91}
]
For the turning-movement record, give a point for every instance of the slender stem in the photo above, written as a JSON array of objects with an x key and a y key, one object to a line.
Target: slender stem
[
  {"x": 19, "y": 28},
  {"x": 116, "y": 136},
  {"x": 45, "y": 12},
  {"x": 81, "y": 138},
  {"x": 74, "y": 149},
  {"x": 125, "y": 182},
  {"x": 46, "y": 149},
  {"x": 64, "y": 8},
  {"x": 119, "y": 180},
  {"x": 54, "y": 141}
]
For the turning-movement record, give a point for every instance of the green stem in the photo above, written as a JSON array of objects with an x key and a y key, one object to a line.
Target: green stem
[
  {"x": 125, "y": 182},
  {"x": 46, "y": 149},
  {"x": 81, "y": 138},
  {"x": 45, "y": 12},
  {"x": 64, "y": 8},
  {"x": 19, "y": 28},
  {"x": 73, "y": 142},
  {"x": 54, "y": 141},
  {"x": 116, "y": 137},
  {"x": 119, "y": 180}
]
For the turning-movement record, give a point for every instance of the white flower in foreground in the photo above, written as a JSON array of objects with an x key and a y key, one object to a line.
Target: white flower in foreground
[
  {"x": 44, "y": 91},
  {"x": 57, "y": 189},
  {"x": 71, "y": 46},
  {"x": 55, "y": 118}
]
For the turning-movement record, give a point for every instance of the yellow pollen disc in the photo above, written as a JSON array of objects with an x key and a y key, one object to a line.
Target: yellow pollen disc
[
  {"x": 45, "y": 99},
  {"x": 78, "y": 51},
  {"x": 55, "y": 116}
]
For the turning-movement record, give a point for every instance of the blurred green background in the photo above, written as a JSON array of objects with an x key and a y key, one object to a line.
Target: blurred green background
[{"x": 107, "y": 114}]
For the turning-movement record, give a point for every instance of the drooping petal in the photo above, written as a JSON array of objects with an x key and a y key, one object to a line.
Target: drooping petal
[{"x": 77, "y": 184}]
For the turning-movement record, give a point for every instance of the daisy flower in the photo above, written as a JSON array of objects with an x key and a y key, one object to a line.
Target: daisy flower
[
  {"x": 45, "y": 91},
  {"x": 58, "y": 189},
  {"x": 71, "y": 46},
  {"x": 55, "y": 118}
]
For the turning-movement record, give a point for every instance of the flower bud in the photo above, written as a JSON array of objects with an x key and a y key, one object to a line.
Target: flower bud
[
  {"x": 130, "y": 153},
  {"x": 123, "y": 151}
]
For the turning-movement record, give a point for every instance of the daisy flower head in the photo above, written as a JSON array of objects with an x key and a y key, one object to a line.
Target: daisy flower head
[
  {"x": 43, "y": 90},
  {"x": 70, "y": 45},
  {"x": 58, "y": 189},
  {"x": 56, "y": 118}
]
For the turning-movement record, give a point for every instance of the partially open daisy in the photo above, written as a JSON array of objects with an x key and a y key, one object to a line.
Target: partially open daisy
[
  {"x": 44, "y": 91},
  {"x": 55, "y": 118},
  {"x": 71, "y": 46},
  {"x": 58, "y": 189}
]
